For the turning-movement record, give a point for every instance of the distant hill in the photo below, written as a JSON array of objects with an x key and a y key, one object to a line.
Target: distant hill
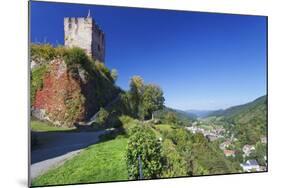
[
  {"x": 201, "y": 113},
  {"x": 180, "y": 114},
  {"x": 244, "y": 113},
  {"x": 249, "y": 120}
]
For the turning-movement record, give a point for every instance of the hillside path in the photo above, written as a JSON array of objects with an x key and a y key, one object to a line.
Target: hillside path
[{"x": 58, "y": 147}]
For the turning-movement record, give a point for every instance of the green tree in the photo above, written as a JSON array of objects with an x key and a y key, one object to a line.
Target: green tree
[
  {"x": 136, "y": 90},
  {"x": 102, "y": 116},
  {"x": 174, "y": 163},
  {"x": 171, "y": 118},
  {"x": 144, "y": 143},
  {"x": 114, "y": 74},
  {"x": 260, "y": 153},
  {"x": 152, "y": 100}
]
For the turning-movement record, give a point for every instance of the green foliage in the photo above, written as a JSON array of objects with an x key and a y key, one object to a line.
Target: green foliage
[
  {"x": 76, "y": 56},
  {"x": 37, "y": 76},
  {"x": 129, "y": 124},
  {"x": 174, "y": 164},
  {"x": 114, "y": 74},
  {"x": 113, "y": 120},
  {"x": 122, "y": 105},
  {"x": 40, "y": 126},
  {"x": 259, "y": 153},
  {"x": 143, "y": 143},
  {"x": 103, "y": 69},
  {"x": 74, "y": 107},
  {"x": 247, "y": 122},
  {"x": 201, "y": 157},
  {"x": 136, "y": 91},
  {"x": 102, "y": 116},
  {"x": 152, "y": 100},
  {"x": 171, "y": 118},
  {"x": 101, "y": 162},
  {"x": 44, "y": 52}
]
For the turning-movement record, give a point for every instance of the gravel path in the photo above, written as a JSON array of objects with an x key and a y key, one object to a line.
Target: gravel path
[{"x": 58, "y": 147}]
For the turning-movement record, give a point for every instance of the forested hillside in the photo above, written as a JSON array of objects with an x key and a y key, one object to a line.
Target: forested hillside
[{"x": 247, "y": 122}]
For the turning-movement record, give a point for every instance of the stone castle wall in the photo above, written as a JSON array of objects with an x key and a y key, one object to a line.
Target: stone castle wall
[{"x": 84, "y": 33}]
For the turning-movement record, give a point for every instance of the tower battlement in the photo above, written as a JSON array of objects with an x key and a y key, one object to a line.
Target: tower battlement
[{"x": 83, "y": 32}]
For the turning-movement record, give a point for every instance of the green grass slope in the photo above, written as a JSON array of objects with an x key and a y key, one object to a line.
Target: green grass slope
[
  {"x": 101, "y": 162},
  {"x": 39, "y": 126}
]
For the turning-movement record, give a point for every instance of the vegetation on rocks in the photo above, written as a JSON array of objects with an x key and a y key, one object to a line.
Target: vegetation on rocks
[
  {"x": 79, "y": 90},
  {"x": 37, "y": 76}
]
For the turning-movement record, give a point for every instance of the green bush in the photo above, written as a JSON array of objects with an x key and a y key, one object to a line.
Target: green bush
[
  {"x": 113, "y": 120},
  {"x": 77, "y": 56},
  {"x": 128, "y": 124},
  {"x": 152, "y": 100},
  {"x": 174, "y": 163},
  {"x": 102, "y": 116},
  {"x": 42, "y": 52},
  {"x": 103, "y": 69},
  {"x": 114, "y": 74},
  {"x": 144, "y": 144},
  {"x": 37, "y": 75}
]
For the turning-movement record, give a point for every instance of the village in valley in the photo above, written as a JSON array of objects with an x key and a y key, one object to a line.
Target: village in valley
[{"x": 227, "y": 143}]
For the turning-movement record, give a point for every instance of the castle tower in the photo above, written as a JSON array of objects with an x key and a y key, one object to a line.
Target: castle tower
[{"x": 83, "y": 32}]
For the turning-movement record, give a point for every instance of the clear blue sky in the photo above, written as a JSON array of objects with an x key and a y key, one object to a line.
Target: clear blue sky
[{"x": 201, "y": 60}]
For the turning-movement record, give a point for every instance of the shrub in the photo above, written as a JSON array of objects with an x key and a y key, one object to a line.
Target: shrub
[
  {"x": 114, "y": 74},
  {"x": 44, "y": 52},
  {"x": 102, "y": 116},
  {"x": 128, "y": 124},
  {"x": 74, "y": 108},
  {"x": 77, "y": 56},
  {"x": 144, "y": 144},
  {"x": 113, "y": 120},
  {"x": 174, "y": 164},
  {"x": 103, "y": 69},
  {"x": 152, "y": 100},
  {"x": 37, "y": 76}
]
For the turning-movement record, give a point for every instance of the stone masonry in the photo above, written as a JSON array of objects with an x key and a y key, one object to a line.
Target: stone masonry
[{"x": 83, "y": 32}]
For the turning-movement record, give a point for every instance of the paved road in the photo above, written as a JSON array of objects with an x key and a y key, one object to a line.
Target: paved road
[{"x": 57, "y": 147}]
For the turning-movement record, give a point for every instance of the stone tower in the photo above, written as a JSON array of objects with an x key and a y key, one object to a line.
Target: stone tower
[{"x": 83, "y": 32}]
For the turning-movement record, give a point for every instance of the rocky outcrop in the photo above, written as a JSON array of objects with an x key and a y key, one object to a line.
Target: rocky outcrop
[
  {"x": 70, "y": 93},
  {"x": 60, "y": 100}
]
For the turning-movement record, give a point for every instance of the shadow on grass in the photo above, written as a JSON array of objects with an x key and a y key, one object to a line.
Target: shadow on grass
[{"x": 50, "y": 144}]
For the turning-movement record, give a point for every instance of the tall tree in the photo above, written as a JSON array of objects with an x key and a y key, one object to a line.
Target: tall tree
[
  {"x": 136, "y": 90},
  {"x": 152, "y": 100}
]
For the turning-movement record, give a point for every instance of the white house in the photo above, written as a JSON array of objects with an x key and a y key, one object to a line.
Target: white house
[
  {"x": 225, "y": 144},
  {"x": 247, "y": 149},
  {"x": 250, "y": 165}
]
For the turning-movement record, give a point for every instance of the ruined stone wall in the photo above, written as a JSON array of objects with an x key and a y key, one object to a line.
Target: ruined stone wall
[
  {"x": 98, "y": 45},
  {"x": 78, "y": 32},
  {"x": 84, "y": 33}
]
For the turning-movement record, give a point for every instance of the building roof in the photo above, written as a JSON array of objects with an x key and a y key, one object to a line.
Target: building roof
[
  {"x": 252, "y": 162},
  {"x": 228, "y": 152}
]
